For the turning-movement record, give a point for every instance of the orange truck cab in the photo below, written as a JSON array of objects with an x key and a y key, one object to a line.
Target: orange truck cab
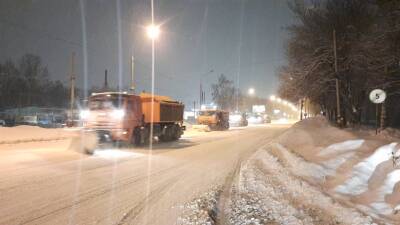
[
  {"x": 123, "y": 117},
  {"x": 214, "y": 118}
]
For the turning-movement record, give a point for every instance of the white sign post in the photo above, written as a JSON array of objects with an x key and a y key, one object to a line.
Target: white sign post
[{"x": 377, "y": 96}]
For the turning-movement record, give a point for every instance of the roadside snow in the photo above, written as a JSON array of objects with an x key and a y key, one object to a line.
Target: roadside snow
[
  {"x": 298, "y": 166},
  {"x": 359, "y": 169},
  {"x": 342, "y": 147},
  {"x": 315, "y": 174},
  {"x": 358, "y": 183},
  {"x": 268, "y": 193},
  {"x": 387, "y": 188},
  {"x": 19, "y": 134},
  {"x": 202, "y": 210}
]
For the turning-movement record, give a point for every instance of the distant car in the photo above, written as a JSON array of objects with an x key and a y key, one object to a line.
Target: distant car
[
  {"x": 238, "y": 120},
  {"x": 267, "y": 119},
  {"x": 255, "y": 119}
]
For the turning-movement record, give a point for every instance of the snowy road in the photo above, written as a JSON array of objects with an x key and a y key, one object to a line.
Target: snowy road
[{"x": 43, "y": 183}]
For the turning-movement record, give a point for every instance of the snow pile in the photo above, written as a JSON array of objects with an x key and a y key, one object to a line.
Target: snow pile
[
  {"x": 202, "y": 210},
  {"x": 268, "y": 193},
  {"x": 19, "y": 134},
  {"x": 296, "y": 164},
  {"x": 342, "y": 147},
  {"x": 308, "y": 137},
  {"x": 386, "y": 189},
  {"x": 362, "y": 172},
  {"x": 357, "y": 168}
]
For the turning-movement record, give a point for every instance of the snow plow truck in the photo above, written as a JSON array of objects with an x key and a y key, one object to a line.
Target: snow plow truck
[
  {"x": 214, "y": 119},
  {"x": 121, "y": 117}
]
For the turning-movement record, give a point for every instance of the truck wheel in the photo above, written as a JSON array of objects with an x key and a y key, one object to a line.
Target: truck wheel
[
  {"x": 178, "y": 132},
  {"x": 146, "y": 136},
  {"x": 137, "y": 139},
  {"x": 89, "y": 151},
  {"x": 162, "y": 138}
]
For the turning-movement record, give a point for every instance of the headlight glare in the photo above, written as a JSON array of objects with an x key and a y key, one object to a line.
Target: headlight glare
[
  {"x": 118, "y": 114},
  {"x": 84, "y": 114}
]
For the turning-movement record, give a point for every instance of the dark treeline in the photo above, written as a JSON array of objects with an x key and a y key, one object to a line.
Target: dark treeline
[
  {"x": 26, "y": 82},
  {"x": 368, "y": 56}
]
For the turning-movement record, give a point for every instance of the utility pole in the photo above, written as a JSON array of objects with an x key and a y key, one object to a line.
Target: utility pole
[
  {"x": 72, "y": 78},
  {"x": 105, "y": 86},
  {"x": 383, "y": 107},
  {"x": 301, "y": 109},
  {"x": 339, "y": 117},
  {"x": 305, "y": 108},
  {"x": 194, "y": 109},
  {"x": 133, "y": 74},
  {"x": 201, "y": 94}
]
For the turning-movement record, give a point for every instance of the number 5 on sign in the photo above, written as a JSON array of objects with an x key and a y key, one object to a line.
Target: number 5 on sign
[{"x": 377, "y": 96}]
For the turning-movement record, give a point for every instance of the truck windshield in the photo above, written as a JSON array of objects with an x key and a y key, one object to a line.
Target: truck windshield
[
  {"x": 111, "y": 103},
  {"x": 207, "y": 113}
]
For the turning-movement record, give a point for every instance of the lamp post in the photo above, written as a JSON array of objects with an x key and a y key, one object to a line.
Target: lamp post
[{"x": 153, "y": 32}]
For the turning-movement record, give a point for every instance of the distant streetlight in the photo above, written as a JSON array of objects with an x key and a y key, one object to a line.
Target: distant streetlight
[
  {"x": 272, "y": 97},
  {"x": 153, "y": 31},
  {"x": 251, "y": 91}
]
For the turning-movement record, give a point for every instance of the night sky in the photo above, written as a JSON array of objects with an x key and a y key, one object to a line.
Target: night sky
[{"x": 236, "y": 38}]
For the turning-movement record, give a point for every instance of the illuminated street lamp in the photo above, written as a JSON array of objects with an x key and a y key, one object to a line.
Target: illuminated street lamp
[
  {"x": 153, "y": 31},
  {"x": 251, "y": 91},
  {"x": 272, "y": 97}
]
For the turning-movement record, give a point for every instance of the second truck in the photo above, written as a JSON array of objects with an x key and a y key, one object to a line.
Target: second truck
[
  {"x": 128, "y": 118},
  {"x": 213, "y": 118}
]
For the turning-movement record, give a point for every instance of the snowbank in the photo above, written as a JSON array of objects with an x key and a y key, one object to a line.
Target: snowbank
[
  {"x": 19, "y": 134},
  {"x": 355, "y": 167},
  {"x": 268, "y": 193},
  {"x": 314, "y": 173},
  {"x": 202, "y": 210}
]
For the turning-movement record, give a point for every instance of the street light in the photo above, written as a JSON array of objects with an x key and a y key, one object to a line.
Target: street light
[
  {"x": 153, "y": 31},
  {"x": 251, "y": 91},
  {"x": 272, "y": 97}
]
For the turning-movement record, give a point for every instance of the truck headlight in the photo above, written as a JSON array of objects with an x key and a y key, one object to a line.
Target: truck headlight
[
  {"x": 84, "y": 114},
  {"x": 118, "y": 114}
]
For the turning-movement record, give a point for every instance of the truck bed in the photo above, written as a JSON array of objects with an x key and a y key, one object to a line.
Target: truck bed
[{"x": 165, "y": 109}]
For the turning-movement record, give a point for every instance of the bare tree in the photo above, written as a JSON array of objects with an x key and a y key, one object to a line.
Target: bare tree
[{"x": 223, "y": 93}]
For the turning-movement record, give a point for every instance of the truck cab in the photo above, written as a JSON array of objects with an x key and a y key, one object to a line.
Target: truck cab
[{"x": 114, "y": 116}]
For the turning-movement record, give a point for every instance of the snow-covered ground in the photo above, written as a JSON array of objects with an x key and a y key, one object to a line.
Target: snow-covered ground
[
  {"x": 46, "y": 182},
  {"x": 355, "y": 167},
  {"x": 315, "y": 173},
  {"x": 20, "y": 134}
]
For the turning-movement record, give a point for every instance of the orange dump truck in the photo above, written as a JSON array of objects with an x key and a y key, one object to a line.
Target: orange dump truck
[
  {"x": 122, "y": 117},
  {"x": 213, "y": 118}
]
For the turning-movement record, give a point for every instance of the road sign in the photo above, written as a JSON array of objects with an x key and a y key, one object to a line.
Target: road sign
[{"x": 377, "y": 96}]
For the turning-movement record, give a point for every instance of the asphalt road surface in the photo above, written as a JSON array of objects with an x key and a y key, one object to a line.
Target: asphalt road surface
[{"x": 48, "y": 183}]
